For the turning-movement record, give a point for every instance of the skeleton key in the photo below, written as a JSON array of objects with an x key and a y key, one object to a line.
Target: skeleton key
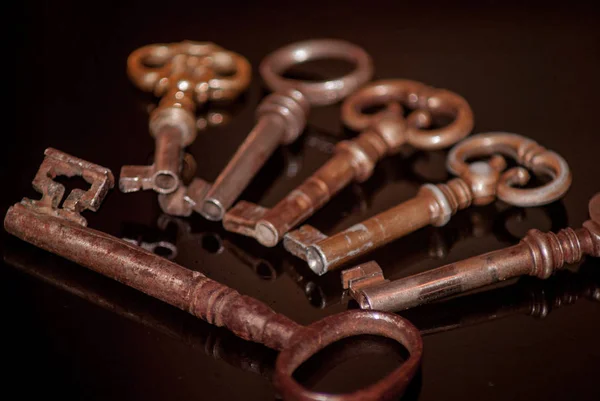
[
  {"x": 383, "y": 133},
  {"x": 281, "y": 118},
  {"x": 479, "y": 183},
  {"x": 538, "y": 254},
  {"x": 64, "y": 233},
  {"x": 183, "y": 75}
]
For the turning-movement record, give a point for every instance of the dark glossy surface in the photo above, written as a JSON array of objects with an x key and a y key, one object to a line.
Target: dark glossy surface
[{"x": 526, "y": 70}]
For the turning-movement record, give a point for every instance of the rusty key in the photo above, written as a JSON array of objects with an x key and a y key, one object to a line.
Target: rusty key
[
  {"x": 383, "y": 133},
  {"x": 538, "y": 254},
  {"x": 281, "y": 118},
  {"x": 183, "y": 75},
  {"x": 479, "y": 183},
  {"x": 64, "y": 232}
]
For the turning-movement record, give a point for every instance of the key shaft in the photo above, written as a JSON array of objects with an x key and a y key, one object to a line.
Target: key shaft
[
  {"x": 281, "y": 119},
  {"x": 354, "y": 160}
]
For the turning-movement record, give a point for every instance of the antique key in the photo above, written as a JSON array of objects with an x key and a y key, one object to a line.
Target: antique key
[
  {"x": 281, "y": 118},
  {"x": 63, "y": 231},
  {"x": 538, "y": 254},
  {"x": 383, "y": 133},
  {"x": 479, "y": 183},
  {"x": 183, "y": 75}
]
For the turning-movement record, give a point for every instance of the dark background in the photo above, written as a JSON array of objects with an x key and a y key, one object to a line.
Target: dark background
[{"x": 524, "y": 68}]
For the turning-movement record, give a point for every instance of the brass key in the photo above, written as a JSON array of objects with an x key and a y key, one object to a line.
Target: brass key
[
  {"x": 281, "y": 118},
  {"x": 383, "y": 134},
  {"x": 479, "y": 183},
  {"x": 538, "y": 254},
  {"x": 183, "y": 75}
]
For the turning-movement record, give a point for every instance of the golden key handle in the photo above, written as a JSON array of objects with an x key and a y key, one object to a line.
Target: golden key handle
[
  {"x": 382, "y": 134},
  {"x": 182, "y": 75},
  {"x": 479, "y": 183},
  {"x": 538, "y": 254},
  {"x": 64, "y": 232}
]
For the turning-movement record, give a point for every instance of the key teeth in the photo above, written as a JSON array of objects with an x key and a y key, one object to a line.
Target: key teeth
[
  {"x": 242, "y": 218},
  {"x": 57, "y": 163},
  {"x": 135, "y": 178},
  {"x": 362, "y": 276},
  {"x": 298, "y": 241}
]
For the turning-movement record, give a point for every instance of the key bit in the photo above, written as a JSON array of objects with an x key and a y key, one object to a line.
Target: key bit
[
  {"x": 183, "y": 75},
  {"x": 57, "y": 163},
  {"x": 479, "y": 183},
  {"x": 281, "y": 118},
  {"x": 383, "y": 133},
  {"x": 538, "y": 254}
]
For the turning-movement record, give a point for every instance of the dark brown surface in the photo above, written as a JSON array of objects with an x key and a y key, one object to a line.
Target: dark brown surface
[{"x": 522, "y": 69}]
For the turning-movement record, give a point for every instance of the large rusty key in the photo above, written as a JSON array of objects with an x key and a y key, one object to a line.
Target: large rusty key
[
  {"x": 479, "y": 183},
  {"x": 281, "y": 118},
  {"x": 538, "y": 254},
  {"x": 183, "y": 75},
  {"x": 64, "y": 232},
  {"x": 383, "y": 133}
]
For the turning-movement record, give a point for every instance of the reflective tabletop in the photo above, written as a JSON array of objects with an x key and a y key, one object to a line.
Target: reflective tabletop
[{"x": 74, "y": 334}]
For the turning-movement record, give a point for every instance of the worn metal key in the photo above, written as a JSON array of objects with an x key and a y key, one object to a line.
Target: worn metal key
[
  {"x": 183, "y": 75},
  {"x": 64, "y": 232},
  {"x": 281, "y": 118},
  {"x": 538, "y": 254},
  {"x": 479, "y": 183},
  {"x": 383, "y": 134}
]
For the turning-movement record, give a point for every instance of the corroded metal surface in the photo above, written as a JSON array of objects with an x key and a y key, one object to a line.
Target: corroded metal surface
[
  {"x": 478, "y": 183},
  {"x": 182, "y": 75},
  {"x": 213, "y": 302},
  {"x": 382, "y": 134},
  {"x": 538, "y": 254}
]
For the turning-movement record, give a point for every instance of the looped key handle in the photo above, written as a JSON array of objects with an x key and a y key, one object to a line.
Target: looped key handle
[
  {"x": 427, "y": 104},
  {"x": 211, "y": 72},
  {"x": 313, "y": 338},
  {"x": 488, "y": 179}
]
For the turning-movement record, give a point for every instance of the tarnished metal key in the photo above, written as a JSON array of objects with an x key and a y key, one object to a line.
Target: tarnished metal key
[
  {"x": 64, "y": 232},
  {"x": 479, "y": 183},
  {"x": 383, "y": 134},
  {"x": 538, "y": 254},
  {"x": 281, "y": 118},
  {"x": 183, "y": 75}
]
